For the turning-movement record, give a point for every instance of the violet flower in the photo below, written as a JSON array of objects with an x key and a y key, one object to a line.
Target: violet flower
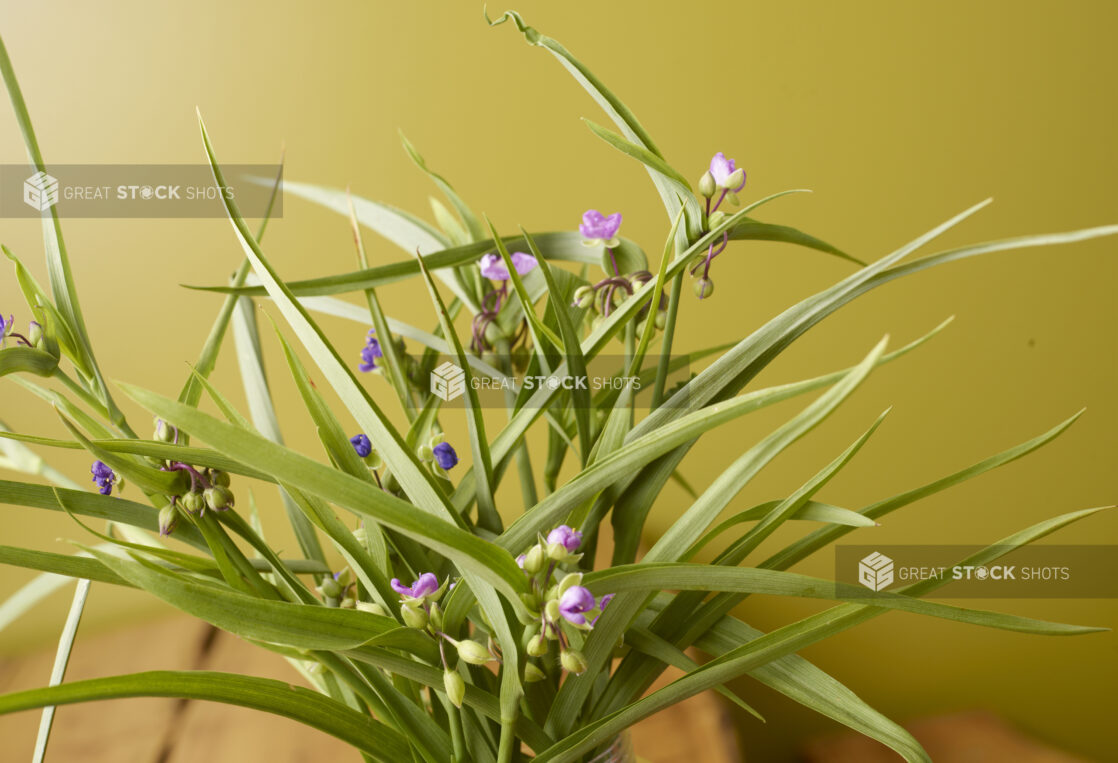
[
  {"x": 361, "y": 444},
  {"x": 568, "y": 537},
  {"x": 445, "y": 456},
  {"x": 6, "y": 327},
  {"x": 596, "y": 226},
  {"x": 370, "y": 352},
  {"x": 602, "y": 604},
  {"x": 574, "y": 602},
  {"x": 723, "y": 170},
  {"x": 493, "y": 266},
  {"x": 425, "y": 585},
  {"x": 104, "y": 476}
]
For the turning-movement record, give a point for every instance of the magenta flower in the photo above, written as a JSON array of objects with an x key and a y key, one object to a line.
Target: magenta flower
[
  {"x": 596, "y": 226},
  {"x": 425, "y": 585},
  {"x": 574, "y": 602},
  {"x": 568, "y": 537},
  {"x": 726, "y": 174},
  {"x": 493, "y": 267}
]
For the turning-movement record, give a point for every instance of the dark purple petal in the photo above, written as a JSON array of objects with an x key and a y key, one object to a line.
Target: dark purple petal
[{"x": 445, "y": 456}]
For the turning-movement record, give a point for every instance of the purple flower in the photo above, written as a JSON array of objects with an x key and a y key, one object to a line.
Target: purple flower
[
  {"x": 520, "y": 560},
  {"x": 574, "y": 602},
  {"x": 425, "y": 585},
  {"x": 6, "y": 327},
  {"x": 445, "y": 456},
  {"x": 602, "y": 604},
  {"x": 568, "y": 537},
  {"x": 103, "y": 476},
  {"x": 595, "y": 225},
  {"x": 722, "y": 169},
  {"x": 494, "y": 268},
  {"x": 370, "y": 352},
  {"x": 361, "y": 444}
]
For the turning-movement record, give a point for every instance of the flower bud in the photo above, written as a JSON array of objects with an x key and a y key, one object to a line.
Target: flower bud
[
  {"x": 661, "y": 319},
  {"x": 35, "y": 334},
  {"x": 164, "y": 432},
  {"x": 220, "y": 478},
  {"x": 455, "y": 687},
  {"x": 735, "y": 180},
  {"x": 551, "y": 611},
  {"x": 193, "y": 502},
  {"x": 716, "y": 218},
  {"x": 473, "y": 652},
  {"x": 537, "y": 646},
  {"x": 703, "y": 288},
  {"x": 531, "y": 602},
  {"x": 436, "y": 615},
  {"x": 373, "y": 460},
  {"x": 425, "y": 452},
  {"x": 372, "y": 607},
  {"x": 413, "y": 617},
  {"x": 533, "y": 673},
  {"x": 707, "y": 186},
  {"x": 218, "y": 498},
  {"x": 584, "y": 296},
  {"x": 534, "y": 559},
  {"x": 168, "y": 518},
  {"x": 331, "y": 589},
  {"x": 573, "y": 662}
]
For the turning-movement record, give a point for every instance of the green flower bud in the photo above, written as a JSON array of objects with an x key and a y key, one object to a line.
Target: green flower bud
[
  {"x": 661, "y": 319},
  {"x": 573, "y": 662},
  {"x": 707, "y": 186},
  {"x": 373, "y": 460},
  {"x": 220, "y": 478},
  {"x": 164, "y": 432},
  {"x": 735, "y": 179},
  {"x": 703, "y": 288},
  {"x": 551, "y": 611},
  {"x": 584, "y": 296},
  {"x": 193, "y": 502},
  {"x": 537, "y": 646},
  {"x": 455, "y": 687},
  {"x": 558, "y": 552},
  {"x": 372, "y": 607},
  {"x": 533, "y": 673},
  {"x": 531, "y": 602},
  {"x": 35, "y": 334},
  {"x": 473, "y": 652},
  {"x": 716, "y": 218},
  {"x": 218, "y": 498},
  {"x": 436, "y": 615},
  {"x": 413, "y": 617},
  {"x": 425, "y": 452},
  {"x": 534, "y": 559},
  {"x": 168, "y": 518},
  {"x": 331, "y": 589}
]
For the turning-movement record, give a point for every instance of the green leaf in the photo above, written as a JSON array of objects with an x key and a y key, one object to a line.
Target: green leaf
[
  {"x": 469, "y": 219},
  {"x": 61, "y": 659},
  {"x": 753, "y": 230},
  {"x": 276, "y": 697},
  {"x": 14, "y": 360}
]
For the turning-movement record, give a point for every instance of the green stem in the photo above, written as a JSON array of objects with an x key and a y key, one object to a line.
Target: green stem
[{"x": 666, "y": 344}]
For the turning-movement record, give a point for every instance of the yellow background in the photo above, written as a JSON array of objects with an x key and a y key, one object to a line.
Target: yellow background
[{"x": 898, "y": 115}]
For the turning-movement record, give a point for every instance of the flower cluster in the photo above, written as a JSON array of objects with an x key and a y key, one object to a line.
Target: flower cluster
[
  {"x": 370, "y": 352},
  {"x": 725, "y": 179},
  {"x": 601, "y": 230},
  {"x": 209, "y": 488},
  {"x": 561, "y": 608},
  {"x": 485, "y": 331}
]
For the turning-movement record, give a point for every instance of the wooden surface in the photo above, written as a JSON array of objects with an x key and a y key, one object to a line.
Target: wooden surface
[{"x": 175, "y": 731}]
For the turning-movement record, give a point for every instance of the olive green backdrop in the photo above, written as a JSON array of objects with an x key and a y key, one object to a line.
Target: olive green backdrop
[{"x": 898, "y": 115}]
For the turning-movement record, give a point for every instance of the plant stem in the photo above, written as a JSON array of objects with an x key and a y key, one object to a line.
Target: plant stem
[{"x": 666, "y": 343}]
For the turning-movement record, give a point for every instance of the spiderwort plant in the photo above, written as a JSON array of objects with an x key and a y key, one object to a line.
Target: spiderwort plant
[{"x": 483, "y": 655}]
